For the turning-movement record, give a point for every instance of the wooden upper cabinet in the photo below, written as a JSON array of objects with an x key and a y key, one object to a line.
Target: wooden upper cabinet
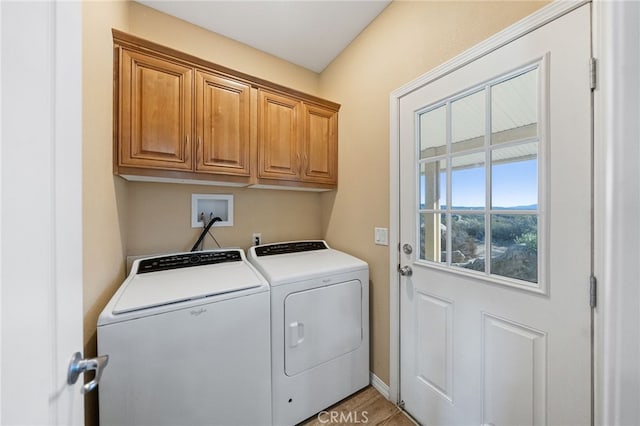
[
  {"x": 155, "y": 112},
  {"x": 297, "y": 142},
  {"x": 320, "y": 145},
  {"x": 178, "y": 118},
  {"x": 279, "y": 135},
  {"x": 222, "y": 125}
]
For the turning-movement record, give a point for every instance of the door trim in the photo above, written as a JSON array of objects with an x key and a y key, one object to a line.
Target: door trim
[
  {"x": 534, "y": 21},
  {"x": 616, "y": 175}
]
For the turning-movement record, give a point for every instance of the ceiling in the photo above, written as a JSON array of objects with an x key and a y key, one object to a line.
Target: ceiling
[{"x": 307, "y": 33}]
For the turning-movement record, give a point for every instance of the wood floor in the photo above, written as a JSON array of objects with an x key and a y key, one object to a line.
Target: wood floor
[{"x": 367, "y": 407}]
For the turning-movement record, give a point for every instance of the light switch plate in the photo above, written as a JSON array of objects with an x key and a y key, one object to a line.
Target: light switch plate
[{"x": 381, "y": 236}]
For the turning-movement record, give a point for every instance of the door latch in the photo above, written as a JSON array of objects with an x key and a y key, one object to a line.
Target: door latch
[{"x": 405, "y": 271}]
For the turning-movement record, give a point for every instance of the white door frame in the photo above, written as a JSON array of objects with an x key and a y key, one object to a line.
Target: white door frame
[
  {"x": 517, "y": 30},
  {"x": 617, "y": 205},
  {"x": 41, "y": 214},
  {"x": 616, "y": 200}
]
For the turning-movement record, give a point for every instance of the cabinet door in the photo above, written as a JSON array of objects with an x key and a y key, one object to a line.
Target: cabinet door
[
  {"x": 320, "y": 145},
  {"x": 222, "y": 125},
  {"x": 155, "y": 112},
  {"x": 279, "y": 134}
]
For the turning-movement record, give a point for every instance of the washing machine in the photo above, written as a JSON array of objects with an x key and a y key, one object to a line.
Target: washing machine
[
  {"x": 188, "y": 340},
  {"x": 319, "y": 326}
]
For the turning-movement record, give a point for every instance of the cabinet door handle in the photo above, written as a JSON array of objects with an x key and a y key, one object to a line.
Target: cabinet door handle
[
  {"x": 299, "y": 164},
  {"x": 185, "y": 148}
]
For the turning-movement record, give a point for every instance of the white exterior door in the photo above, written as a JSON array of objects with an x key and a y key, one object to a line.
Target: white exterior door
[
  {"x": 495, "y": 224},
  {"x": 41, "y": 216}
]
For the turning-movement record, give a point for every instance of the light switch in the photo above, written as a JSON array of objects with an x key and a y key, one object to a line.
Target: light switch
[{"x": 381, "y": 236}]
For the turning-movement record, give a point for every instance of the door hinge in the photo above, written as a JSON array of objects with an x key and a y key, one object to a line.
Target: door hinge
[
  {"x": 593, "y": 74},
  {"x": 593, "y": 291}
]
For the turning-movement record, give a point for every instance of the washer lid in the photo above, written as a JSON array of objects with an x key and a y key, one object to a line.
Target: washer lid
[{"x": 151, "y": 289}]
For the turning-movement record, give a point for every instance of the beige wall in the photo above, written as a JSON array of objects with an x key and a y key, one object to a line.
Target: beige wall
[
  {"x": 104, "y": 196},
  {"x": 121, "y": 218},
  {"x": 160, "y": 217},
  {"x": 405, "y": 41}
]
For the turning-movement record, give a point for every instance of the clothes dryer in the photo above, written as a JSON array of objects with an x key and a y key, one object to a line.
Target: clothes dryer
[
  {"x": 188, "y": 340},
  {"x": 319, "y": 326}
]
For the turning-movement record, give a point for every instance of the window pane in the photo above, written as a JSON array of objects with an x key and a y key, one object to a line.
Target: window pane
[
  {"x": 468, "y": 182},
  {"x": 514, "y": 177},
  {"x": 433, "y": 185},
  {"x": 514, "y": 246},
  {"x": 433, "y": 132},
  {"x": 467, "y": 241},
  {"x": 433, "y": 240},
  {"x": 514, "y": 108},
  {"x": 468, "y": 122}
]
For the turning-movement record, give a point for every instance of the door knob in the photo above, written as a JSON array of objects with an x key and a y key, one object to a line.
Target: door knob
[
  {"x": 405, "y": 271},
  {"x": 78, "y": 365}
]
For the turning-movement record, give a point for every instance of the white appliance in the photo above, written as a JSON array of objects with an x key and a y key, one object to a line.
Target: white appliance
[
  {"x": 188, "y": 340},
  {"x": 319, "y": 326}
]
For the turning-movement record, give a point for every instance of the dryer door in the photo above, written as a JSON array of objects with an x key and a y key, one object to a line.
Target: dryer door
[{"x": 321, "y": 324}]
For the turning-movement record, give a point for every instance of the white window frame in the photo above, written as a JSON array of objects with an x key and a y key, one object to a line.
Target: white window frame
[{"x": 542, "y": 284}]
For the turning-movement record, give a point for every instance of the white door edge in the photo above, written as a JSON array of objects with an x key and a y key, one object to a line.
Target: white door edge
[
  {"x": 511, "y": 33},
  {"x": 41, "y": 218},
  {"x": 617, "y": 202},
  {"x": 1, "y": 195},
  {"x": 68, "y": 207}
]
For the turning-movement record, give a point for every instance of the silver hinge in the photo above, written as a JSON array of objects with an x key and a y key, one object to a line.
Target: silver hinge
[
  {"x": 593, "y": 76},
  {"x": 593, "y": 291}
]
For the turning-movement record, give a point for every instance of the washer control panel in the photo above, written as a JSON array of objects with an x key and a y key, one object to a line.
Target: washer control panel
[
  {"x": 187, "y": 260},
  {"x": 291, "y": 247}
]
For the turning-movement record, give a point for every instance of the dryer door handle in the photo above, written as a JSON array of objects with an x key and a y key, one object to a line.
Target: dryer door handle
[{"x": 296, "y": 334}]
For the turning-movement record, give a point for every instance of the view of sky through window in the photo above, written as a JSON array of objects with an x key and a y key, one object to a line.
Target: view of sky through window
[{"x": 514, "y": 185}]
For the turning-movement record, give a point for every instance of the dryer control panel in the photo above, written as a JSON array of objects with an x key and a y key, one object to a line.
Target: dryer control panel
[
  {"x": 292, "y": 247},
  {"x": 187, "y": 260}
]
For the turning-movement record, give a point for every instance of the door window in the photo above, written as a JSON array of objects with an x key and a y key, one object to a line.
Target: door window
[{"x": 479, "y": 180}]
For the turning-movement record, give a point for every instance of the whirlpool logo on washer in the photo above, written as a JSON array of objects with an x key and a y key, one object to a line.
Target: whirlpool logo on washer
[{"x": 198, "y": 312}]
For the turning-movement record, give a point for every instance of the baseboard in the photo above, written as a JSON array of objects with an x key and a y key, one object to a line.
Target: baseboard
[{"x": 379, "y": 385}]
